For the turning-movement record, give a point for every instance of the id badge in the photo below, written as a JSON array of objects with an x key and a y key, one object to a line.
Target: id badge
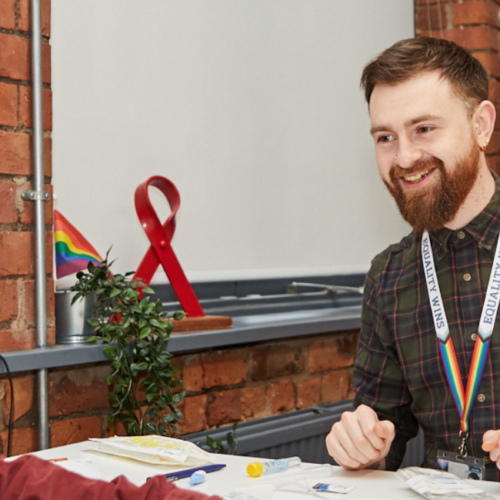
[{"x": 465, "y": 468}]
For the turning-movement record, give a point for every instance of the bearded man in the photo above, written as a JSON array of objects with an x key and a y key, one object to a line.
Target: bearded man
[{"x": 429, "y": 347}]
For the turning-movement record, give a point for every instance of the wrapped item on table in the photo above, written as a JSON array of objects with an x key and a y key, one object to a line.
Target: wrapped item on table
[
  {"x": 439, "y": 485},
  {"x": 158, "y": 450}
]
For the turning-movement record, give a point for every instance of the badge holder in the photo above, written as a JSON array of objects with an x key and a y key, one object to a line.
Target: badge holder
[
  {"x": 465, "y": 467},
  {"x": 161, "y": 252}
]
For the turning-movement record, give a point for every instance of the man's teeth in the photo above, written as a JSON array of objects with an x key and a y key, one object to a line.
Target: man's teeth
[{"x": 416, "y": 177}]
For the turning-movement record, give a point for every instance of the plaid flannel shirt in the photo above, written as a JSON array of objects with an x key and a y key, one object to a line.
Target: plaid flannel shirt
[{"x": 398, "y": 370}]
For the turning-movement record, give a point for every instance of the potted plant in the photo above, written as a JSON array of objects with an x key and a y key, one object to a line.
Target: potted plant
[{"x": 139, "y": 330}]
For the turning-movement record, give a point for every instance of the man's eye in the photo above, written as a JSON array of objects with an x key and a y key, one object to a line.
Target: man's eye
[
  {"x": 385, "y": 138},
  {"x": 427, "y": 128}
]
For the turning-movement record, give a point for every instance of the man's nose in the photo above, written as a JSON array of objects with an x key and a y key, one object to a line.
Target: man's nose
[{"x": 407, "y": 153}]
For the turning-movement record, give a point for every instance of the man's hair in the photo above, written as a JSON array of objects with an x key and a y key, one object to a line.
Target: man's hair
[{"x": 407, "y": 58}]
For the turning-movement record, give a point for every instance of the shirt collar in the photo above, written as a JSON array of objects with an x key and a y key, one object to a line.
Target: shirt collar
[{"x": 484, "y": 228}]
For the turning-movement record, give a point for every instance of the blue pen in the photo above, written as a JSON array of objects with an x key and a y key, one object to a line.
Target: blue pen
[{"x": 181, "y": 474}]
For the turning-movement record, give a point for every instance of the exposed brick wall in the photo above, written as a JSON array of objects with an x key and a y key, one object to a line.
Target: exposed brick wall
[
  {"x": 475, "y": 25},
  {"x": 223, "y": 386},
  {"x": 17, "y": 291}
]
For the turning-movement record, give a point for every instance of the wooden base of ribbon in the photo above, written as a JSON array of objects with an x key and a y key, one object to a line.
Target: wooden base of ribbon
[{"x": 202, "y": 323}]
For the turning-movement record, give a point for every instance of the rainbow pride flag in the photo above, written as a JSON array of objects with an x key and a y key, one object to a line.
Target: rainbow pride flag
[{"x": 73, "y": 251}]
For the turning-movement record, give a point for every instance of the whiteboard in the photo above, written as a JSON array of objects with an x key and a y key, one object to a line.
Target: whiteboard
[{"x": 251, "y": 107}]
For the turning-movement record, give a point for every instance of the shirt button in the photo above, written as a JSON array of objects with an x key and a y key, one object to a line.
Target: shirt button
[
  {"x": 481, "y": 398},
  {"x": 461, "y": 235},
  {"x": 487, "y": 460},
  {"x": 473, "y": 336},
  {"x": 467, "y": 277}
]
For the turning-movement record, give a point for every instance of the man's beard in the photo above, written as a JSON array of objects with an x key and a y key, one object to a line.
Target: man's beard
[{"x": 433, "y": 206}]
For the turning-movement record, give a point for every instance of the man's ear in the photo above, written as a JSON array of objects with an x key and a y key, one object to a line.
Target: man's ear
[{"x": 484, "y": 123}]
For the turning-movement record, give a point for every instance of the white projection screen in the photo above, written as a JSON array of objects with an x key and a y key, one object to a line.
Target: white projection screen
[{"x": 252, "y": 108}]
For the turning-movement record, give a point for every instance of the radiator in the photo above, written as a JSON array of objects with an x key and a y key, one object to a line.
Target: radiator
[{"x": 301, "y": 433}]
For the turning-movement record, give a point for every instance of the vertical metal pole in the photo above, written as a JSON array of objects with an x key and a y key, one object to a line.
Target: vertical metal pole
[{"x": 38, "y": 187}]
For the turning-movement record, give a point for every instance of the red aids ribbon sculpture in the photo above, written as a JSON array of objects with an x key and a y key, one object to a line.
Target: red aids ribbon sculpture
[{"x": 160, "y": 236}]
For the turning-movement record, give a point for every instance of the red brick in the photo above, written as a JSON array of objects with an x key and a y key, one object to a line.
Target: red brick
[
  {"x": 25, "y": 16},
  {"x": 194, "y": 413},
  {"x": 224, "y": 368},
  {"x": 8, "y": 14},
  {"x": 17, "y": 251},
  {"x": 51, "y": 333},
  {"x": 8, "y": 212},
  {"x": 118, "y": 429},
  {"x": 23, "y": 393},
  {"x": 49, "y": 249},
  {"x": 17, "y": 340},
  {"x": 494, "y": 163},
  {"x": 309, "y": 393},
  {"x": 27, "y": 208},
  {"x": 24, "y": 440},
  {"x": 497, "y": 119},
  {"x": 281, "y": 396},
  {"x": 474, "y": 38},
  {"x": 26, "y": 107},
  {"x": 335, "y": 386},
  {"x": 192, "y": 373},
  {"x": 494, "y": 91},
  {"x": 15, "y": 153},
  {"x": 15, "y": 60},
  {"x": 47, "y": 63},
  {"x": 437, "y": 14},
  {"x": 490, "y": 62},
  {"x": 47, "y": 156},
  {"x": 254, "y": 402},
  {"x": 482, "y": 12},
  {"x": 494, "y": 145},
  {"x": 74, "y": 430},
  {"x": 224, "y": 408},
  {"x": 8, "y": 104},
  {"x": 425, "y": 2},
  {"x": 276, "y": 360},
  {"x": 88, "y": 384},
  {"x": 334, "y": 351},
  {"x": 8, "y": 300}
]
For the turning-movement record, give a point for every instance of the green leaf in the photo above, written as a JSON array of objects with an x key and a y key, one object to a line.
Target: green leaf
[
  {"x": 152, "y": 389},
  {"x": 110, "y": 352},
  {"x": 114, "y": 293},
  {"x": 145, "y": 332},
  {"x": 145, "y": 382},
  {"x": 142, "y": 366},
  {"x": 179, "y": 315},
  {"x": 230, "y": 439},
  {"x": 178, "y": 398}
]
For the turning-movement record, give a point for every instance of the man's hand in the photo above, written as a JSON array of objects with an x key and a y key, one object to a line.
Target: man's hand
[
  {"x": 360, "y": 440},
  {"x": 491, "y": 444}
]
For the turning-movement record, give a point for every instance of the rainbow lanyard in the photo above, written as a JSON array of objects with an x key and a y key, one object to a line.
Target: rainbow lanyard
[{"x": 463, "y": 400}]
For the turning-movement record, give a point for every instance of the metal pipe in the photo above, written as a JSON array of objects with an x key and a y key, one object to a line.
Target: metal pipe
[{"x": 38, "y": 187}]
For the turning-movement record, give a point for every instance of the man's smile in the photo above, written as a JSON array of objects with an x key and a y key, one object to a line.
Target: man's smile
[{"x": 414, "y": 178}]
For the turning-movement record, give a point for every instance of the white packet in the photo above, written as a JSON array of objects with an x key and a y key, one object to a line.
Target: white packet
[{"x": 439, "y": 485}]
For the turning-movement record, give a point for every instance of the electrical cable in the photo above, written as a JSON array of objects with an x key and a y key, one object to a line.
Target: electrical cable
[{"x": 11, "y": 414}]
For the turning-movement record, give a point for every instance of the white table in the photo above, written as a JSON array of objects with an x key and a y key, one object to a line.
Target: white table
[{"x": 368, "y": 484}]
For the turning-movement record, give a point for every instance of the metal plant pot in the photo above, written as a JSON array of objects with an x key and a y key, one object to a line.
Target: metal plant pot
[{"x": 71, "y": 320}]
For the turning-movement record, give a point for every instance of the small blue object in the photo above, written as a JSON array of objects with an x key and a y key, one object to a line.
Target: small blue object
[{"x": 197, "y": 478}]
